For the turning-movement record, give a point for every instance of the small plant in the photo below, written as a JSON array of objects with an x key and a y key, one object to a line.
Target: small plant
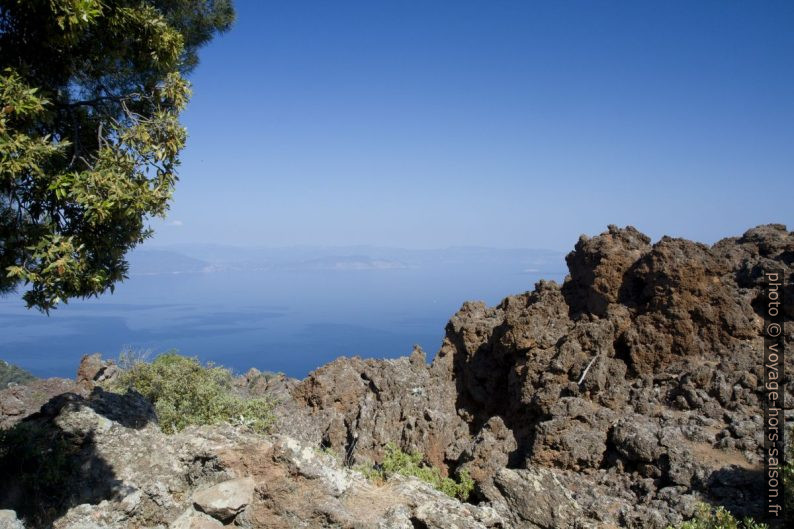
[
  {"x": 185, "y": 392},
  {"x": 326, "y": 450},
  {"x": 707, "y": 517},
  {"x": 411, "y": 465},
  {"x": 129, "y": 358}
]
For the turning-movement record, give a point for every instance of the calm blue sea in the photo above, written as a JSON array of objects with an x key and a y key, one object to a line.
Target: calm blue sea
[{"x": 279, "y": 320}]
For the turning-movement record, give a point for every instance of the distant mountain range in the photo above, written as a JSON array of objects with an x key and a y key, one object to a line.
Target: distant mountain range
[
  {"x": 209, "y": 258},
  {"x": 152, "y": 262}
]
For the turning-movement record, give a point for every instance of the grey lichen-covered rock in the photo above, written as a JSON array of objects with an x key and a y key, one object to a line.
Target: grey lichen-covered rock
[
  {"x": 119, "y": 472},
  {"x": 427, "y": 508},
  {"x": 535, "y": 498},
  {"x": 9, "y": 520},
  {"x": 225, "y": 500},
  {"x": 191, "y": 519}
]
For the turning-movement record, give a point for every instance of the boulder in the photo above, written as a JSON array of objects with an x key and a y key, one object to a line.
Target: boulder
[
  {"x": 9, "y": 520},
  {"x": 535, "y": 498},
  {"x": 93, "y": 370},
  {"x": 636, "y": 439},
  {"x": 225, "y": 500}
]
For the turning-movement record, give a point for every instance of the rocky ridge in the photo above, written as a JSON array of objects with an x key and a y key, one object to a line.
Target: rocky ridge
[{"x": 618, "y": 399}]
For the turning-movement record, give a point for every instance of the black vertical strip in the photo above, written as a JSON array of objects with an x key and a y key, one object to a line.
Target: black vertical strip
[{"x": 774, "y": 419}]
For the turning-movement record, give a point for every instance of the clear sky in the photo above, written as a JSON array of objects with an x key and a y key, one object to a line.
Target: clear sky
[{"x": 498, "y": 123}]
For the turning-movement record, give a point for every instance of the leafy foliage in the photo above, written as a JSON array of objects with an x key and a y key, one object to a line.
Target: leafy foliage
[
  {"x": 411, "y": 465},
  {"x": 185, "y": 392},
  {"x": 90, "y": 96}
]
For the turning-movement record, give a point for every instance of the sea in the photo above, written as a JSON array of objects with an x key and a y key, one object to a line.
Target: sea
[{"x": 281, "y": 310}]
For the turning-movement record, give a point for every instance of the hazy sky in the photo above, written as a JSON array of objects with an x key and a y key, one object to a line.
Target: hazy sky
[{"x": 499, "y": 123}]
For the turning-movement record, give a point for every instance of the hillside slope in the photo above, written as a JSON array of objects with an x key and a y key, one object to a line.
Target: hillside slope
[{"x": 621, "y": 398}]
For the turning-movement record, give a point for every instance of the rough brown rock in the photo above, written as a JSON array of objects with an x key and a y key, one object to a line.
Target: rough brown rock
[
  {"x": 93, "y": 370},
  {"x": 640, "y": 373}
]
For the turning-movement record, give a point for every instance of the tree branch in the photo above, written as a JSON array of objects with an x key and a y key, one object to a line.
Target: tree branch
[
  {"x": 586, "y": 370},
  {"x": 100, "y": 99}
]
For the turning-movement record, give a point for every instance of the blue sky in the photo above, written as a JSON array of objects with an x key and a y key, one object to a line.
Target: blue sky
[{"x": 494, "y": 123}]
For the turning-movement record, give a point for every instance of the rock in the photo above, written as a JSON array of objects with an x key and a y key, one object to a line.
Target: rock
[
  {"x": 663, "y": 332},
  {"x": 225, "y": 500},
  {"x": 636, "y": 439},
  {"x": 93, "y": 370},
  {"x": 575, "y": 438},
  {"x": 489, "y": 452},
  {"x": 364, "y": 404},
  {"x": 438, "y": 514},
  {"x": 598, "y": 267},
  {"x": 191, "y": 519},
  {"x": 88, "y": 372},
  {"x": 9, "y": 520},
  {"x": 398, "y": 517},
  {"x": 535, "y": 498},
  {"x": 19, "y": 401},
  {"x": 429, "y": 508}
]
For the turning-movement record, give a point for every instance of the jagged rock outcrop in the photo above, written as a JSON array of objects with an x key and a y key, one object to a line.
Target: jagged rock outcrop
[
  {"x": 364, "y": 404},
  {"x": 94, "y": 371},
  {"x": 618, "y": 399},
  {"x": 634, "y": 386}
]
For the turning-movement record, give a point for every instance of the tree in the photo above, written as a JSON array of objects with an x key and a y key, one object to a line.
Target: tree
[{"x": 90, "y": 96}]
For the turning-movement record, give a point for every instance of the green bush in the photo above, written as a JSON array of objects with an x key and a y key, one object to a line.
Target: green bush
[
  {"x": 10, "y": 373},
  {"x": 719, "y": 518},
  {"x": 185, "y": 392},
  {"x": 399, "y": 462}
]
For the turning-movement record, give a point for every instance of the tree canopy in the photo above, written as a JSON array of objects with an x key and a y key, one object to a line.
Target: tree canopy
[{"x": 90, "y": 97}]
